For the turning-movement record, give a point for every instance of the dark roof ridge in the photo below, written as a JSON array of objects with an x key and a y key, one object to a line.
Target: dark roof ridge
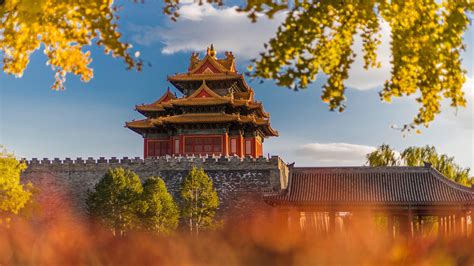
[
  {"x": 450, "y": 182},
  {"x": 363, "y": 168}
]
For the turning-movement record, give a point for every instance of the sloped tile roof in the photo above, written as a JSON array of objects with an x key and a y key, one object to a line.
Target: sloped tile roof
[{"x": 371, "y": 185}]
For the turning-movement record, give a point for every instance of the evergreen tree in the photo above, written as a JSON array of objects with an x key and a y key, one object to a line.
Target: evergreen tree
[
  {"x": 115, "y": 200},
  {"x": 13, "y": 195},
  {"x": 199, "y": 200},
  {"x": 160, "y": 214}
]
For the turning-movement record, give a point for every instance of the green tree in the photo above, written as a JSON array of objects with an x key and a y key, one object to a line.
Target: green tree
[
  {"x": 383, "y": 156},
  {"x": 417, "y": 156},
  {"x": 13, "y": 195},
  {"x": 199, "y": 200},
  {"x": 116, "y": 200},
  {"x": 160, "y": 214}
]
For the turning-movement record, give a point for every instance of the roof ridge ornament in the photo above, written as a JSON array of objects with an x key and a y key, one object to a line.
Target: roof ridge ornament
[
  {"x": 193, "y": 61},
  {"x": 211, "y": 51},
  {"x": 229, "y": 55}
]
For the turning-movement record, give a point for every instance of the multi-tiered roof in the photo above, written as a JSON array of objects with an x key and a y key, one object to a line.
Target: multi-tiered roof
[{"x": 215, "y": 95}]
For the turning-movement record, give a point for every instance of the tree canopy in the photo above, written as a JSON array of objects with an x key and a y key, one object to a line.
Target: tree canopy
[
  {"x": 122, "y": 203},
  {"x": 13, "y": 195},
  {"x": 199, "y": 200},
  {"x": 383, "y": 156},
  {"x": 316, "y": 37},
  {"x": 418, "y": 156},
  {"x": 116, "y": 201},
  {"x": 160, "y": 214},
  {"x": 426, "y": 46},
  {"x": 63, "y": 28}
]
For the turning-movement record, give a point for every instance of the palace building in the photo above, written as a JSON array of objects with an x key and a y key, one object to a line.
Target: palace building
[{"x": 217, "y": 114}]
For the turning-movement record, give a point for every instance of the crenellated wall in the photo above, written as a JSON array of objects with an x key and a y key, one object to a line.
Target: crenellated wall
[{"x": 238, "y": 181}]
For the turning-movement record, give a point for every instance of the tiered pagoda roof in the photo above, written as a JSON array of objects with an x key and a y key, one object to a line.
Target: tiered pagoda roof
[{"x": 235, "y": 102}]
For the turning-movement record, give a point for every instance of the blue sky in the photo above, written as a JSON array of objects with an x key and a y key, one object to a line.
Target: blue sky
[{"x": 87, "y": 119}]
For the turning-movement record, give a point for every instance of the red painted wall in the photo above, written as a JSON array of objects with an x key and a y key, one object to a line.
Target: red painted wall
[{"x": 244, "y": 146}]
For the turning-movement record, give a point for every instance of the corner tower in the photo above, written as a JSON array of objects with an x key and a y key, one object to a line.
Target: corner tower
[{"x": 217, "y": 114}]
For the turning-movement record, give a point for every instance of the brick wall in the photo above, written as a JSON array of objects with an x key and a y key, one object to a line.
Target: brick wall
[{"x": 237, "y": 180}]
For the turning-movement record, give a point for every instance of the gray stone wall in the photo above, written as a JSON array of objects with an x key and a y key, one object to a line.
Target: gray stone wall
[{"x": 238, "y": 181}]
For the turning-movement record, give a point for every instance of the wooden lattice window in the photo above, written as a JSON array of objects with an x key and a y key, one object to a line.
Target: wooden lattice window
[
  {"x": 204, "y": 145},
  {"x": 158, "y": 148}
]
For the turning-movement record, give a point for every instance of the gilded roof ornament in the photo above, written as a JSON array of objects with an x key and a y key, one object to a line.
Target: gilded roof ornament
[
  {"x": 229, "y": 56},
  {"x": 211, "y": 51},
  {"x": 194, "y": 60}
]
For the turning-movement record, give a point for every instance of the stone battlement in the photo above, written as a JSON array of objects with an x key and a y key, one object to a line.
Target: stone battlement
[{"x": 164, "y": 159}]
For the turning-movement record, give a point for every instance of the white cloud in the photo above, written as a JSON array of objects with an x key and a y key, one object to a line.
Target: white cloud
[
  {"x": 200, "y": 25},
  {"x": 468, "y": 89},
  {"x": 332, "y": 154},
  {"x": 362, "y": 79}
]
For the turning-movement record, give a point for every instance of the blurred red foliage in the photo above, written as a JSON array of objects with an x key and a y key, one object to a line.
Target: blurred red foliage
[{"x": 68, "y": 240}]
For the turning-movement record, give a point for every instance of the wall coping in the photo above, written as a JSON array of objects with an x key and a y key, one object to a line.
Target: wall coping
[{"x": 163, "y": 159}]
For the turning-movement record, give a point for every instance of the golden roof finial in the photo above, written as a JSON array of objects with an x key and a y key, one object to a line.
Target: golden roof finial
[{"x": 211, "y": 51}]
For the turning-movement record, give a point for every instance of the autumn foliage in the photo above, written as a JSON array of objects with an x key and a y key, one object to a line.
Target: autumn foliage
[
  {"x": 14, "y": 195},
  {"x": 262, "y": 240},
  {"x": 63, "y": 29},
  {"x": 316, "y": 37}
]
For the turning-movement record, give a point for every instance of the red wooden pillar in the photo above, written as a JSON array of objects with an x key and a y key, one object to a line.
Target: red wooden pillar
[
  {"x": 173, "y": 145},
  {"x": 170, "y": 145},
  {"x": 464, "y": 225},
  {"x": 225, "y": 144},
  {"x": 440, "y": 226},
  {"x": 145, "y": 148},
  {"x": 254, "y": 147},
  {"x": 240, "y": 145},
  {"x": 332, "y": 222},
  {"x": 181, "y": 144},
  {"x": 422, "y": 226},
  {"x": 446, "y": 226},
  {"x": 449, "y": 226}
]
